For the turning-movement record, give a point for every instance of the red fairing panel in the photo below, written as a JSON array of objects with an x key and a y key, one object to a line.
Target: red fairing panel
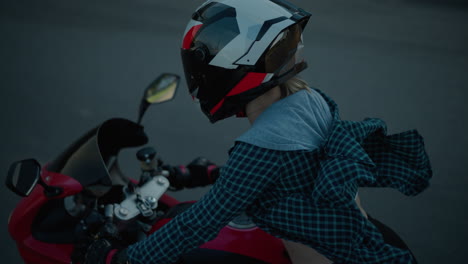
[
  {"x": 19, "y": 226},
  {"x": 36, "y": 252},
  {"x": 168, "y": 200},
  {"x": 253, "y": 242}
]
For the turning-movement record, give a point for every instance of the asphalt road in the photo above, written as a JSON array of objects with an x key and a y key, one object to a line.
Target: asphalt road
[{"x": 68, "y": 65}]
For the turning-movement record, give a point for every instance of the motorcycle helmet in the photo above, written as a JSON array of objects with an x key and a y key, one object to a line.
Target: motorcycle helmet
[{"x": 235, "y": 50}]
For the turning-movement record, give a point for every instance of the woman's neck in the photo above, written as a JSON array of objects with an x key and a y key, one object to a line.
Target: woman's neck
[{"x": 255, "y": 107}]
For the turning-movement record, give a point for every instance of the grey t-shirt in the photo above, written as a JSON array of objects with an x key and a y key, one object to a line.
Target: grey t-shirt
[{"x": 300, "y": 121}]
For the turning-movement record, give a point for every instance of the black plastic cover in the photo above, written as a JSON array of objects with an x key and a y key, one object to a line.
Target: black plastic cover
[{"x": 88, "y": 159}]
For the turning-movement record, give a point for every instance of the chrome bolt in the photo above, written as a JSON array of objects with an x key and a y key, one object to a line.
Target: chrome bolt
[
  {"x": 123, "y": 211},
  {"x": 161, "y": 181},
  {"x": 151, "y": 200}
]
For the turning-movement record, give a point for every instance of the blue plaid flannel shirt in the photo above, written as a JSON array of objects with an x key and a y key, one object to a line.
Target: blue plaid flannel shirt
[{"x": 304, "y": 196}]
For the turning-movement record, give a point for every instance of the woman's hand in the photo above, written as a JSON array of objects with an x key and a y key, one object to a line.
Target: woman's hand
[
  {"x": 103, "y": 251},
  {"x": 198, "y": 173}
]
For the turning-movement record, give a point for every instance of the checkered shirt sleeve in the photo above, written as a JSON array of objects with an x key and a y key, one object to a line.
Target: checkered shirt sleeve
[
  {"x": 306, "y": 197},
  {"x": 249, "y": 171}
]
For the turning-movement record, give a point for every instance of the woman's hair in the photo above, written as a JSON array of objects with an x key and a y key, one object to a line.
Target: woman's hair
[{"x": 293, "y": 85}]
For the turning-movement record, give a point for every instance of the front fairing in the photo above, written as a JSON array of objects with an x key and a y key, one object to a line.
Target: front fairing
[{"x": 89, "y": 160}]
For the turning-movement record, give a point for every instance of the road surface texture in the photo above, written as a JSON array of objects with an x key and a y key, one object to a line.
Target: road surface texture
[{"x": 68, "y": 65}]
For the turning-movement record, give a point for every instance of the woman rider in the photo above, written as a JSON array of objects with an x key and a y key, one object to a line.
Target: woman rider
[{"x": 296, "y": 171}]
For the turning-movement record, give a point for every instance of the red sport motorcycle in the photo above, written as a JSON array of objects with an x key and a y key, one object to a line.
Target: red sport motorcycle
[{"x": 83, "y": 193}]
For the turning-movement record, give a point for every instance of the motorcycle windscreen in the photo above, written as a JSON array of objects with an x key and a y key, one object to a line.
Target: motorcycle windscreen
[{"x": 88, "y": 159}]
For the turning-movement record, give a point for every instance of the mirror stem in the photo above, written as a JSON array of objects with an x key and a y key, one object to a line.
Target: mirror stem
[
  {"x": 143, "y": 106},
  {"x": 50, "y": 191}
]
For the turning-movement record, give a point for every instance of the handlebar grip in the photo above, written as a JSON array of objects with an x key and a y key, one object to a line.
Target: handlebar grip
[
  {"x": 213, "y": 173},
  {"x": 182, "y": 177}
]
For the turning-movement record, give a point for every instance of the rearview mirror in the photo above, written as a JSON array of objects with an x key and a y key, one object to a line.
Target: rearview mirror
[
  {"x": 160, "y": 90},
  {"x": 23, "y": 176}
]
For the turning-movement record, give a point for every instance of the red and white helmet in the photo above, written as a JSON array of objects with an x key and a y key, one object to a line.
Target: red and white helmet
[{"x": 235, "y": 50}]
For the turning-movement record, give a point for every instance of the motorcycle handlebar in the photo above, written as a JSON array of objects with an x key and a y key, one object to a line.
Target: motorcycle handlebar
[{"x": 189, "y": 177}]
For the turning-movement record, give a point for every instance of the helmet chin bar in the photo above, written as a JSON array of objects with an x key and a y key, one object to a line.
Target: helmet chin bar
[{"x": 232, "y": 105}]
